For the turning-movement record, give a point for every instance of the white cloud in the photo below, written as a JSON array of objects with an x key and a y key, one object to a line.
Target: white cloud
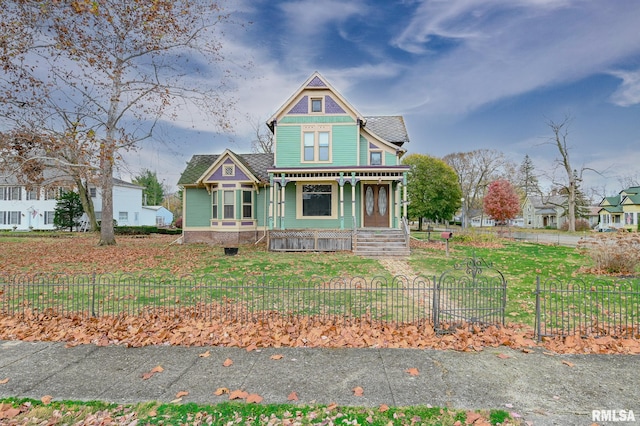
[{"x": 629, "y": 91}]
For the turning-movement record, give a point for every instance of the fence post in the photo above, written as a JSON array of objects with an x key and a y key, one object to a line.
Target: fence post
[
  {"x": 436, "y": 303},
  {"x": 537, "y": 325},
  {"x": 93, "y": 294}
]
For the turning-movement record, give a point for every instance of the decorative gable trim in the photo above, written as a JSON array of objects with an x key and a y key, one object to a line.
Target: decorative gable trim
[
  {"x": 226, "y": 167},
  {"x": 315, "y": 82}
]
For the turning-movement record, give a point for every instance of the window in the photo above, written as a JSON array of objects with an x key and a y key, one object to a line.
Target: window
[
  {"x": 11, "y": 193},
  {"x": 317, "y": 146},
  {"x": 48, "y": 218},
  {"x": 228, "y": 204},
  {"x": 10, "y": 218},
  {"x": 247, "y": 205},
  {"x": 123, "y": 216},
  {"x": 228, "y": 170},
  {"x": 316, "y": 200},
  {"x": 92, "y": 192},
  {"x": 214, "y": 204},
  {"x": 53, "y": 193},
  {"x": 375, "y": 158},
  {"x": 316, "y": 105},
  {"x": 32, "y": 194}
]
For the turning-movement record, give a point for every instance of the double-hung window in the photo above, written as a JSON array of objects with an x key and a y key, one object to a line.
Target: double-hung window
[
  {"x": 11, "y": 193},
  {"x": 228, "y": 203},
  {"x": 247, "y": 210},
  {"x": 214, "y": 204},
  {"x": 32, "y": 194},
  {"x": 10, "y": 218},
  {"x": 316, "y": 146},
  {"x": 48, "y": 217}
]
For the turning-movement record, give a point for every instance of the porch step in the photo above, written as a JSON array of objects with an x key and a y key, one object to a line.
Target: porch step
[{"x": 381, "y": 242}]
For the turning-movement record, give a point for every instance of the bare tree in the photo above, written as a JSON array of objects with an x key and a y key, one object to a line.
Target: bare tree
[
  {"x": 573, "y": 177},
  {"x": 123, "y": 65},
  {"x": 475, "y": 170},
  {"x": 263, "y": 138}
]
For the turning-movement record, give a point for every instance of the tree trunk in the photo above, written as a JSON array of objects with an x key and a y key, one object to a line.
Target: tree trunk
[
  {"x": 107, "y": 235},
  {"x": 87, "y": 203}
]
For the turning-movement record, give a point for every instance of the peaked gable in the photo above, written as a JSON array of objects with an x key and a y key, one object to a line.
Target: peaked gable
[
  {"x": 201, "y": 168},
  {"x": 299, "y": 102}
]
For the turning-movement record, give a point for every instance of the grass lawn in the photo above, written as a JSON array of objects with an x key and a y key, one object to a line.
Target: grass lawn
[
  {"x": 521, "y": 263},
  {"x": 74, "y": 412}
]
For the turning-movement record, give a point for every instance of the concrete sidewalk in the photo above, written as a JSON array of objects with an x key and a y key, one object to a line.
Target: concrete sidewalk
[{"x": 544, "y": 389}]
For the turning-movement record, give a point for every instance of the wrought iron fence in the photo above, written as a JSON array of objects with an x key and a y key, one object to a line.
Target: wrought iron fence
[
  {"x": 461, "y": 296},
  {"x": 596, "y": 308}
]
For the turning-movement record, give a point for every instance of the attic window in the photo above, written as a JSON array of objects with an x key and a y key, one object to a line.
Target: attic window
[
  {"x": 316, "y": 105},
  {"x": 229, "y": 170}
]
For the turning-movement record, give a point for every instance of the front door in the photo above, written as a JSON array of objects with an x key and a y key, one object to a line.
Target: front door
[{"x": 376, "y": 206}]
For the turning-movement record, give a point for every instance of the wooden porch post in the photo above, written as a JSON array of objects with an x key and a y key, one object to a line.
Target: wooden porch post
[
  {"x": 341, "y": 183},
  {"x": 353, "y": 199}
]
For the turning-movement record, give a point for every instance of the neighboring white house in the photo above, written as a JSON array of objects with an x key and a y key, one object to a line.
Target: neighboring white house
[
  {"x": 22, "y": 209},
  {"x": 157, "y": 215},
  {"x": 544, "y": 212}
]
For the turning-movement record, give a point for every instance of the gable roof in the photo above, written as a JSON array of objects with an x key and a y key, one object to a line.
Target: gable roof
[
  {"x": 314, "y": 82},
  {"x": 390, "y": 128},
  {"x": 257, "y": 164}
]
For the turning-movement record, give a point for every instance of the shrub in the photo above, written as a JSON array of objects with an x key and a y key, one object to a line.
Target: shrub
[
  {"x": 581, "y": 225},
  {"x": 616, "y": 253}
]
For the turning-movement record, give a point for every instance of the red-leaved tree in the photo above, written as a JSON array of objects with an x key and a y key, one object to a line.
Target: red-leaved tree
[{"x": 501, "y": 202}]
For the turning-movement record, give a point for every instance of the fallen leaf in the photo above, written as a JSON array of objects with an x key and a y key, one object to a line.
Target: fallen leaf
[
  {"x": 181, "y": 394},
  {"x": 206, "y": 354},
  {"x": 252, "y": 347},
  {"x": 3, "y": 381},
  {"x": 227, "y": 362},
  {"x": 238, "y": 394},
  {"x": 472, "y": 417},
  {"x": 46, "y": 400},
  {"x": 147, "y": 376},
  {"x": 332, "y": 406},
  {"x": 292, "y": 397},
  {"x": 503, "y": 356},
  {"x": 277, "y": 357},
  {"x": 570, "y": 364},
  {"x": 157, "y": 369},
  {"x": 383, "y": 408},
  {"x": 10, "y": 413},
  {"x": 254, "y": 398},
  {"x": 221, "y": 391},
  {"x": 358, "y": 391},
  {"x": 175, "y": 401},
  {"x": 527, "y": 350},
  {"x": 412, "y": 371}
]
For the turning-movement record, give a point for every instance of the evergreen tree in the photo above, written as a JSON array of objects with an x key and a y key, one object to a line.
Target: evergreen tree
[
  {"x": 527, "y": 181},
  {"x": 153, "y": 193},
  {"x": 68, "y": 210}
]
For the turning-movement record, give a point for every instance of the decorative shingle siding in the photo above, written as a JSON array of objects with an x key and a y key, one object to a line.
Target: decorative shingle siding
[
  {"x": 302, "y": 107},
  {"x": 331, "y": 107},
  {"x": 316, "y": 82}
]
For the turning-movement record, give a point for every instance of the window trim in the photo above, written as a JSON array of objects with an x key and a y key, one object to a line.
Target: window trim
[
  {"x": 316, "y": 131},
  {"x": 232, "y": 170},
  {"x": 214, "y": 204},
  {"x": 225, "y": 205},
  {"x": 334, "y": 200},
  {"x": 123, "y": 216},
  {"x": 376, "y": 151},
  {"x": 311, "y": 103},
  {"x": 247, "y": 204}
]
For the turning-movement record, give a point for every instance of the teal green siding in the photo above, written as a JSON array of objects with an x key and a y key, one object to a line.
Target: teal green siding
[
  {"x": 198, "y": 207},
  {"x": 288, "y": 146},
  {"x": 344, "y": 145},
  {"x": 364, "y": 151},
  {"x": 390, "y": 159},
  {"x": 261, "y": 206}
]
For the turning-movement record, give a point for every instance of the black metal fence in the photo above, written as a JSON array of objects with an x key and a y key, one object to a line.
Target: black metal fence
[
  {"x": 596, "y": 308},
  {"x": 466, "y": 294}
]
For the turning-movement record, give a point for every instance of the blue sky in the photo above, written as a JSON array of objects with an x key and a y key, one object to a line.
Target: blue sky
[{"x": 465, "y": 74}]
